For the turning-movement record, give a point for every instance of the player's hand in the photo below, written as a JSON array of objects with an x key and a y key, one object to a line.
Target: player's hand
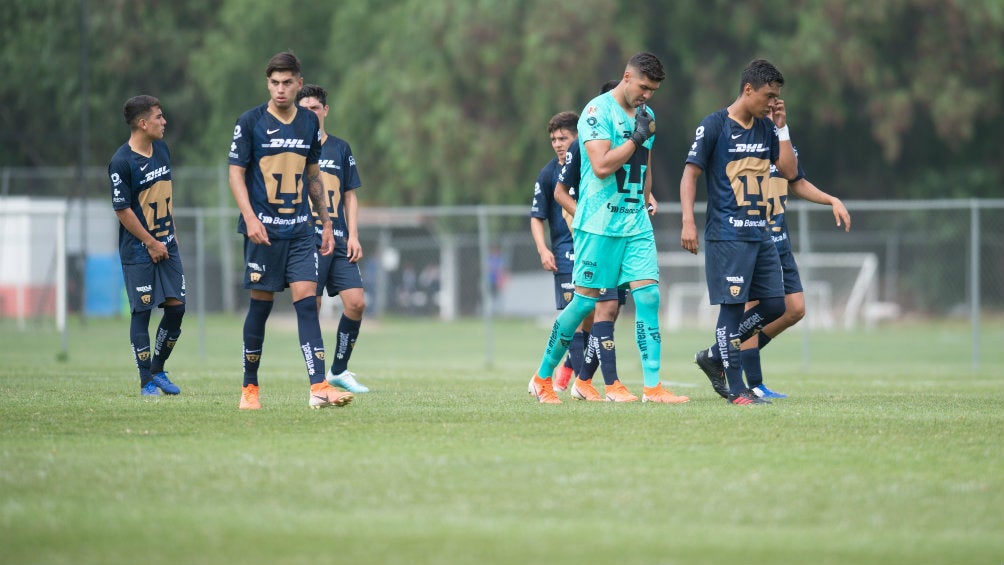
[
  {"x": 841, "y": 214},
  {"x": 256, "y": 231},
  {"x": 688, "y": 237},
  {"x": 778, "y": 114},
  {"x": 547, "y": 261},
  {"x": 652, "y": 205},
  {"x": 355, "y": 249},
  {"x": 158, "y": 252},
  {"x": 327, "y": 240},
  {"x": 644, "y": 126}
]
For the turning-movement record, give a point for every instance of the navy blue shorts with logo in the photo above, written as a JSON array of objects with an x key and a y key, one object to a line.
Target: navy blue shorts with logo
[
  {"x": 740, "y": 271},
  {"x": 272, "y": 267},
  {"x": 789, "y": 270},
  {"x": 336, "y": 274},
  {"x": 149, "y": 284},
  {"x": 564, "y": 289}
]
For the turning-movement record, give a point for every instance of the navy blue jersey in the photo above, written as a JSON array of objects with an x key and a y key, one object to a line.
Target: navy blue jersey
[
  {"x": 777, "y": 201},
  {"x": 571, "y": 171},
  {"x": 339, "y": 175},
  {"x": 143, "y": 184},
  {"x": 737, "y": 164},
  {"x": 546, "y": 208},
  {"x": 274, "y": 155}
]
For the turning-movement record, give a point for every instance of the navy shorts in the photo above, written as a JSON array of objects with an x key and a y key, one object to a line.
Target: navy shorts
[
  {"x": 337, "y": 274},
  {"x": 563, "y": 290},
  {"x": 149, "y": 284},
  {"x": 789, "y": 271},
  {"x": 271, "y": 268},
  {"x": 740, "y": 271}
]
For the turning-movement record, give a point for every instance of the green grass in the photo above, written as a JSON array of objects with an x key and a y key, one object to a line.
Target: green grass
[{"x": 889, "y": 451}]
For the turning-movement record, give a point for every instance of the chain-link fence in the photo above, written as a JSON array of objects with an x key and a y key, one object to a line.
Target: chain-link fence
[{"x": 901, "y": 260}]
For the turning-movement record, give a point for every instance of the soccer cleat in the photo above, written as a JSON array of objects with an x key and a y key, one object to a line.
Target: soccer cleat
[
  {"x": 323, "y": 395},
  {"x": 617, "y": 392},
  {"x": 584, "y": 390},
  {"x": 149, "y": 389},
  {"x": 659, "y": 394},
  {"x": 543, "y": 389},
  {"x": 762, "y": 391},
  {"x": 249, "y": 398},
  {"x": 163, "y": 383},
  {"x": 715, "y": 372},
  {"x": 562, "y": 375},
  {"x": 347, "y": 380},
  {"x": 747, "y": 398}
]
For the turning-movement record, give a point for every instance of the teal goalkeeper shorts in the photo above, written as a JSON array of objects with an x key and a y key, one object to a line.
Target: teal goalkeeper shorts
[{"x": 603, "y": 261}]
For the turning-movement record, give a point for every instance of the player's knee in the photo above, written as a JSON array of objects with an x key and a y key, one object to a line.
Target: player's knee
[
  {"x": 175, "y": 309},
  {"x": 772, "y": 308},
  {"x": 581, "y": 305},
  {"x": 647, "y": 297},
  {"x": 794, "y": 313}
]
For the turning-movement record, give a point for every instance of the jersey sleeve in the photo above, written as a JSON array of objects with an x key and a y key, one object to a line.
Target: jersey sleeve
[
  {"x": 801, "y": 172},
  {"x": 120, "y": 177},
  {"x": 705, "y": 139},
  {"x": 775, "y": 141},
  {"x": 352, "y": 180},
  {"x": 240, "y": 146},
  {"x": 541, "y": 191},
  {"x": 314, "y": 153},
  {"x": 571, "y": 170},
  {"x": 593, "y": 125}
]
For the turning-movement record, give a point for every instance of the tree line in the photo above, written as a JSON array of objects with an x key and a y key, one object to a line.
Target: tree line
[{"x": 446, "y": 101}]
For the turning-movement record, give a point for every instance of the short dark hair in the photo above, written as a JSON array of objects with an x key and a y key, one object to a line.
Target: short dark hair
[
  {"x": 285, "y": 61},
  {"x": 758, "y": 73},
  {"x": 609, "y": 85},
  {"x": 563, "y": 120},
  {"x": 313, "y": 91},
  {"x": 649, "y": 65},
  {"x": 137, "y": 107}
]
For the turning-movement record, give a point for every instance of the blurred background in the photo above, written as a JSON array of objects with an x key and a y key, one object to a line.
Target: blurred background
[{"x": 895, "y": 106}]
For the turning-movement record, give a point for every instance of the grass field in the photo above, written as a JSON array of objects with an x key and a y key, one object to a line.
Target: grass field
[{"x": 890, "y": 450}]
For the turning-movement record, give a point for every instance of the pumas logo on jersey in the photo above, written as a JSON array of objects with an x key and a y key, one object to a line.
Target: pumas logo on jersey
[{"x": 285, "y": 143}]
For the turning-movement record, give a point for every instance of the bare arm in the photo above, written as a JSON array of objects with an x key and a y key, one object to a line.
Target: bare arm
[
  {"x": 564, "y": 199},
  {"x": 256, "y": 230},
  {"x": 650, "y": 201},
  {"x": 805, "y": 190},
  {"x": 606, "y": 161},
  {"x": 787, "y": 161},
  {"x": 688, "y": 194},
  {"x": 156, "y": 249},
  {"x": 351, "y": 205},
  {"x": 546, "y": 256},
  {"x": 315, "y": 190}
]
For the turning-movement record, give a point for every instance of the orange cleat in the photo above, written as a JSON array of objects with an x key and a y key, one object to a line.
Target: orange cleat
[
  {"x": 584, "y": 390},
  {"x": 617, "y": 392},
  {"x": 249, "y": 398},
  {"x": 659, "y": 394},
  {"x": 323, "y": 395},
  {"x": 562, "y": 375},
  {"x": 543, "y": 389}
]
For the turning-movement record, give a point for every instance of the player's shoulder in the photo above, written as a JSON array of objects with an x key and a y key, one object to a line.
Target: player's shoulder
[
  {"x": 253, "y": 115},
  {"x": 338, "y": 143},
  {"x": 160, "y": 147},
  {"x": 122, "y": 154}
]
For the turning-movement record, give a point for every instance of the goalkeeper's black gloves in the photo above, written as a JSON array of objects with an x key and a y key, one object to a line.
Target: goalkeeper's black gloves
[{"x": 644, "y": 126}]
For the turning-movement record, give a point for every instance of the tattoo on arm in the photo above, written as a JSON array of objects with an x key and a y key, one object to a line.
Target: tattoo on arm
[{"x": 316, "y": 190}]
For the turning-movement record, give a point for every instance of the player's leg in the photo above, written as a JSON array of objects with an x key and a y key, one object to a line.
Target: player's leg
[
  {"x": 768, "y": 291},
  {"x": 170, "y": 279},
  {"x": 794, "y": 311},
  {"x": 340, "y": 276},
  {"x": 139, "y": 289},
  {"x": 582, "y": 387},
  {"x": 263, "y": 278},
  {"x": 563, "y": 292}
]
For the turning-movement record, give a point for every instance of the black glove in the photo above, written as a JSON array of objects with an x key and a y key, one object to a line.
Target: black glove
[{"x": 644, "y": 126}]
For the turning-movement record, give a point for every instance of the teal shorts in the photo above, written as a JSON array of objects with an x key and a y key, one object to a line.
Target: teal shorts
[{"x": 603, "y": 261}]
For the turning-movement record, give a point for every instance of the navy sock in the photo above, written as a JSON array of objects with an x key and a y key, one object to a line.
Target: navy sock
[
  {"x": 751, "y": 366},
  {"x": 727, "y": 345},
  {"x": 577, "y": 352},
  {"x": 254, "y": 338},
  {"x": 762, "y": 340},
  {"x": 168, "y": 333},
  {"x": 139, "y": 337},
  {"x": 590, "y": 359},
  {"x": 311, "y": 343},
  {"x": 754, "y": 319},
  {"x": 603, "y": 337},
  {"x": 348, "y": 332}
]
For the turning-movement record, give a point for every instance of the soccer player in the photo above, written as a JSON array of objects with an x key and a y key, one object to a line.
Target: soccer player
[
  {"x": 140, "y": 175},
  {"x": 736, "y": 146},
  {"x": 561, "y": 129},
  {"x": 339, "y": 272},
  {"x": 273, "y": 168},
  {"x": 614, "y": 242},
  {"x": 794, "y": 299}
]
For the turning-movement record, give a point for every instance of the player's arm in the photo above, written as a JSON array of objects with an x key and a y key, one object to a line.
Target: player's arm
[
  {"x": 650, "y": 202},
  {"x": 688, "y": 194},
  {"x": 156, "y": 249},
  {"x": 606, "y": 161},
  {"x": 315, "y": 190},
  {"x": 787, "y": 161},
  {"x": 546, "y": 257},
  {"x": 805, "y": 190},
  {"x": 351, "y": 204},
  {"x": 564, "y": 198},
  {"x": 256, "y": 230}
]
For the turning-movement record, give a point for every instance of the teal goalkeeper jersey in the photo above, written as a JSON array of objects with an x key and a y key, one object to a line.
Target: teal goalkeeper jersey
[{"x": 615, "y": 205}]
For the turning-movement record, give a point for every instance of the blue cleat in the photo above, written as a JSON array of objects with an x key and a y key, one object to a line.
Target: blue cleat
[
  {"x": 163, "y": 383},
  {"x": 149, "y": 389},
  {"x": 347, "y": 380},
  {"x": 763, "y": 392}
]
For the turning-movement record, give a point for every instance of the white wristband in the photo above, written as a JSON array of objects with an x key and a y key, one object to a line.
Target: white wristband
[{"x": 783, "y": 135}]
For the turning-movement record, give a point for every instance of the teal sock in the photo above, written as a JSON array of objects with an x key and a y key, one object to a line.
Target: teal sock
[
  {"x": 646, "y": 300},
  {"x": 563, "y": 331}
]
